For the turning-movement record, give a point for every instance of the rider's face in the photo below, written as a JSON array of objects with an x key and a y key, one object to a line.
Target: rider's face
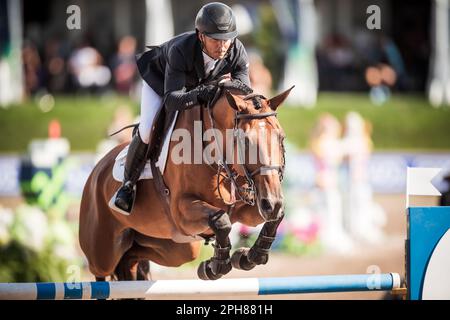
[{"x": 216, "y": 49}]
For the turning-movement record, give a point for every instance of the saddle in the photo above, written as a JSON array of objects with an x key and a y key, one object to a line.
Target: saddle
[{"x": 158, "y": 152}]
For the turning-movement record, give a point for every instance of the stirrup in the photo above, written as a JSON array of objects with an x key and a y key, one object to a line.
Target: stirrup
[{"x": 112, "y": 203}]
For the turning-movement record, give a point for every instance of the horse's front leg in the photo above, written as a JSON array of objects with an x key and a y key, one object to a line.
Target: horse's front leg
[
  {"x": 197, "y": 217},
  {"x": 247, "y": 259}
]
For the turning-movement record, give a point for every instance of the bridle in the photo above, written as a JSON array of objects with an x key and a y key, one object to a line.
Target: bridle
[{"x": 246, "y": 194}]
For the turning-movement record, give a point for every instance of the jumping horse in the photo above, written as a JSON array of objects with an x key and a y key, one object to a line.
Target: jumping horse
[{"x": 190, "y": 202}]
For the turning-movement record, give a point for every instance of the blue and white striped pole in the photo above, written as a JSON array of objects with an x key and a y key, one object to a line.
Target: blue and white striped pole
[{"x": 170, "y": 288}]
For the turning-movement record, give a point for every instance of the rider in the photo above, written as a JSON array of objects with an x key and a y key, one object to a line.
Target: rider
[{"x": 174, "y": 75}]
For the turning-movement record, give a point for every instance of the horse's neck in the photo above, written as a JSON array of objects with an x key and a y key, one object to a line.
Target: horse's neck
[{"x": 186, "y": 121}]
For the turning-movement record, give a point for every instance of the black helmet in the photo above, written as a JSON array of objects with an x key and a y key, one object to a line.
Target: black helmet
[{"x": 217, "y": 21}]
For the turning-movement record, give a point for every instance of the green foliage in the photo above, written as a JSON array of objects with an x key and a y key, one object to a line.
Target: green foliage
[
  {"x": 35, "y": 246},
  {"x": 406, "y": 122},
  {"x": 22, "y": 264},
  {"x": 292, "y": 245}
]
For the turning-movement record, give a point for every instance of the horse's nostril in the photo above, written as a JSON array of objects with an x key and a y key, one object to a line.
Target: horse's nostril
[{"x": 266, "y": 206}]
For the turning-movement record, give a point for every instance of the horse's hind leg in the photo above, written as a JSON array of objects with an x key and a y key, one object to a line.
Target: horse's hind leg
[
  {"x": 247, "y": 259},
  {"x": 132, "y": 267},
  {"x": 132, "y": 270},
  {"x": 125, "y": 270},
  {"x": 143, "y": 270}
]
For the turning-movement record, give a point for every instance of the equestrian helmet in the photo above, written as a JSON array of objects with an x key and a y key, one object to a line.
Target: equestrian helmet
[{"x": 217, "y": 21}]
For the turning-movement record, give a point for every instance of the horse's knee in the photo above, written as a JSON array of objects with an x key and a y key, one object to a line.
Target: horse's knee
[{"x": 220, "y": 223}]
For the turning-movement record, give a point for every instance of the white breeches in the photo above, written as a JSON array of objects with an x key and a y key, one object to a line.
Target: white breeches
[{"x": 151, "y": 102}]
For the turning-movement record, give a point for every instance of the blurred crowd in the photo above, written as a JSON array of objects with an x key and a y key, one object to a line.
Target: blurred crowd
[
  {"x": 62, "y": 68},
  {"x": 365, "y": 61},
  {"x": 374, "y": 63}
]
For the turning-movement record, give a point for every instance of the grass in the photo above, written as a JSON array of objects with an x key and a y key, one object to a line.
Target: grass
[
  {"x": 406, "y": 122},
  {"x": 84, "y": 121}
]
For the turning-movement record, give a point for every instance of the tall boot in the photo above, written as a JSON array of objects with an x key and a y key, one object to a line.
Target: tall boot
[{"x": 134, "y": 164}]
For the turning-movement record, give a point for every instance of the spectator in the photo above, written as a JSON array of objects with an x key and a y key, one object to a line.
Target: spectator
[
  {"x": 122, "y": 118},
  {"x": 87, "y": 69},
  {"x": 388, "y": 53},
  {"x": 32, "y": 68},
  {"x": 326, "y": 148},
  {"x": 123, "y": 65},
  {"x": 55, "y": 65},
  {"x": 363, "y": 217},
  {"x": 260, "y": 76},
  {"x": 336, "y": 62}
]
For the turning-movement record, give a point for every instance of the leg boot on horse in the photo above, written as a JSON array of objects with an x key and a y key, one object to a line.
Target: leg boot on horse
[
  {"x": 248, "y": 258},
  {"x": 220, "y": 263},
  {"x": 135, "y": 163}
]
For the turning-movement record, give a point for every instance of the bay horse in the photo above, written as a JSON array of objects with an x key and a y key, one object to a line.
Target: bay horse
[{"x": 120, "y": 246}]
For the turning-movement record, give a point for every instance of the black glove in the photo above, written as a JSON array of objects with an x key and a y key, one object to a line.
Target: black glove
[
  {"x": 236, "y": 84},
  {"x": 206, "y": 93}
]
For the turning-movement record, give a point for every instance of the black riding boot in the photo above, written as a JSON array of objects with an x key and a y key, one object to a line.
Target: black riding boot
[{"x": 134, "y": 164}]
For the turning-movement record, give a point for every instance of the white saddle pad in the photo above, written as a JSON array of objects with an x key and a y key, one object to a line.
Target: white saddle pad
[{"x": 119, "y": 165}]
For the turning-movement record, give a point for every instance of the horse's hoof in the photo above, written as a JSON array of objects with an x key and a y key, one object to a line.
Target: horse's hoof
[
  {"x": 221, "y": 267},
  {"x": 239, "y": 260},
  {"x": 256, "y": 257},
  {"x": 204, "y": 272},
  {"x": 143, "y": 271}
]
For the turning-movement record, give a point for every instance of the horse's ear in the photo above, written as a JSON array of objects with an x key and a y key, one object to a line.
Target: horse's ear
[
  {"x": 233, "y": 101},
  {"x": 275, "y": 102}
]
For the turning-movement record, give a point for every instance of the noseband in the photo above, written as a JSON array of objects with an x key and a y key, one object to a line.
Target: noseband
[{"x": 246, "y": 194}]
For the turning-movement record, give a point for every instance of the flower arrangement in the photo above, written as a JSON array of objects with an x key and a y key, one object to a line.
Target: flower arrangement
[{"x": 35, "y": 246}]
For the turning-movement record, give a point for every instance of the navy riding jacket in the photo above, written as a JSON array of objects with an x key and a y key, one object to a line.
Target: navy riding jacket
[{"x": 176, "y": 67}]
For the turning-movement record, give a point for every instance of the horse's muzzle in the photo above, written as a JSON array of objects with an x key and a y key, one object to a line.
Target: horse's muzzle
[{"x": 270, "y": 209}]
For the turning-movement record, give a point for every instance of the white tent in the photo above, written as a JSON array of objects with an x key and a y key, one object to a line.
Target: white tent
[
  {"x": 11, "y": 88},
  {"x": 439, "y": 77}
]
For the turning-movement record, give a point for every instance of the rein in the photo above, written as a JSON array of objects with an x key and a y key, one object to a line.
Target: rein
[{"x": 245, "y": 194}]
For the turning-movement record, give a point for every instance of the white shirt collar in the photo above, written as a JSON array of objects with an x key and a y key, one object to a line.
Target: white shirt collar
[{"x": 209, "y": 63}]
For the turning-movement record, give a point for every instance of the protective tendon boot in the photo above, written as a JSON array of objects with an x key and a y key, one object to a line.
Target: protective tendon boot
[{"x": 134, "y": 164}]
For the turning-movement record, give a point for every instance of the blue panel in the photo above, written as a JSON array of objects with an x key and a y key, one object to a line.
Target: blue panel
[
  {"x": 46, "y": 291},
  {"x": 316, "y": 284},
  {"x": 100, "y": 290},
  {"x": 73, "y": 290},
  {"x": 427, "y": 225}
]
